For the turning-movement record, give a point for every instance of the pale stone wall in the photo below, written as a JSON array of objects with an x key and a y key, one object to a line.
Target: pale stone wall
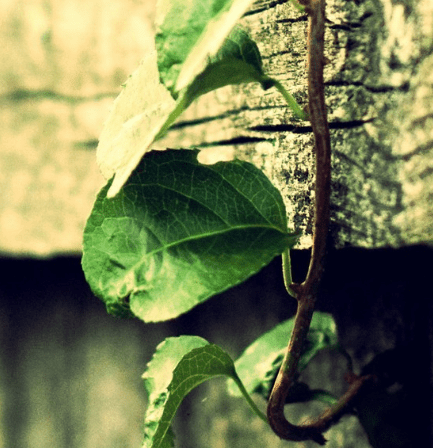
[{"x": 62, "y": 64}]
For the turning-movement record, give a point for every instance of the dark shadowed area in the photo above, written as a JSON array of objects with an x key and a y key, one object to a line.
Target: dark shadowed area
[{"x": 70, "y": 373}]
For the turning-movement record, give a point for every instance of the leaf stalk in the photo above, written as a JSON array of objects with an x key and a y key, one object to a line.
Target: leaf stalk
[
  {"x": 291, "y": 102},
  {"x": 250, "y": 401},
  {"x": 287, "y": 272}
]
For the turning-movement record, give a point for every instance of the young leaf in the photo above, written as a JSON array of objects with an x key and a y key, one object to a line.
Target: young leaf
[
  {"x": 180, "y": 232},
  {"x": 157, "y": 380},
  {"x": 189, "y": 34},
  {"x": 260, "y": 362},
  {"x": 178, "y": 366},
  {"x": 237, "y": 61}
]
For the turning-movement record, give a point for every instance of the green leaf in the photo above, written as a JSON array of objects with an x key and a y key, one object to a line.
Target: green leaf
[
  {"x": 189, "y": 33},
  {"x": 193, "y": 37},
  {"x": 258, "y": 366},
  {"x": 180, "y": 232},
  {"x": 237, "y": 61},
  {"x": 178, "y": 366},
  {"x": 145, "y": 110}
]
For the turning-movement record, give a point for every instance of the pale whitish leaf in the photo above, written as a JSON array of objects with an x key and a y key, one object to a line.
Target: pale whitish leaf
[{"x": 137, "y": 117}]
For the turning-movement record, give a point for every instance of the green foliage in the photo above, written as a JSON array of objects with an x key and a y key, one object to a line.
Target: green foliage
[
  {"x": 166, "y": 233},
  {"x": 237, "y": 61},
  {"x": 189, "y": 34},
  {"x": 179, "y": 232},
  {"x": 257, "y": 367},
  {"x": 182, "y": 363},
  {"x": 199, "y": 49},
  {"x": 178, "y": 366}
]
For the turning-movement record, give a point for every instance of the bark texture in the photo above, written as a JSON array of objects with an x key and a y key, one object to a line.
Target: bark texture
[{"x": 379, "y": 87}]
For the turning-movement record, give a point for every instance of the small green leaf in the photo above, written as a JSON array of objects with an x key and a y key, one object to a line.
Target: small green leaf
[
  {"x": 188, "y": 34},
  {"x": 178, "y": 366},
  {"x": 260, "y": 362},
  {"x": 180, "y": 232},
  {"x": 237, "y": 61}
]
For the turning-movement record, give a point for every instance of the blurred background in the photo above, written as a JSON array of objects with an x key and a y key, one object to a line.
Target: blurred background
[{"x": 70, "y": 375}]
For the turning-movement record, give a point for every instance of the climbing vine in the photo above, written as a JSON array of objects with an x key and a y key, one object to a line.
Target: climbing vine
[{"x": 167, "y": 232}]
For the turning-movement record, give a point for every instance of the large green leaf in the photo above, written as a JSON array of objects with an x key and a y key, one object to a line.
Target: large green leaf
[
  {"x": 257, "y": 367},
  {"x": 178, "y": 366},
  {"x": 179, "y": 232}
]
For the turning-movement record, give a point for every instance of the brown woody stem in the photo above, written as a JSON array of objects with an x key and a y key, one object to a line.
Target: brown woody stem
[{"x": 307, "y": 291}]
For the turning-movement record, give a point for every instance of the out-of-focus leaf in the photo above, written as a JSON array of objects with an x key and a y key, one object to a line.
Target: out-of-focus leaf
[{"x": 257, "y": 367}]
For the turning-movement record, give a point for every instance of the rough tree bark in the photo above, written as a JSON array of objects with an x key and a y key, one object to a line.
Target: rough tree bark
[{"x": 379, "y": 86}]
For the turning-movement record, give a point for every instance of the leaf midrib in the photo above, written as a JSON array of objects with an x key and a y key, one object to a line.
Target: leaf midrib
[
  {"x": 207, "y": 207},
  {"x": 209, "y": 235}
]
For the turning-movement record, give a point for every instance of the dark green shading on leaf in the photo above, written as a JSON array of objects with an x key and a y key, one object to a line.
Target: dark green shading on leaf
[
  {"x": 188, "y": 34},
  {"x": 234, "y": 60},
  {"x": 180, "y": 232},
  {"x": 178, "y": 366},
  {"x": 257, "y": 367},
  {"x": 238, "y": 61}
]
